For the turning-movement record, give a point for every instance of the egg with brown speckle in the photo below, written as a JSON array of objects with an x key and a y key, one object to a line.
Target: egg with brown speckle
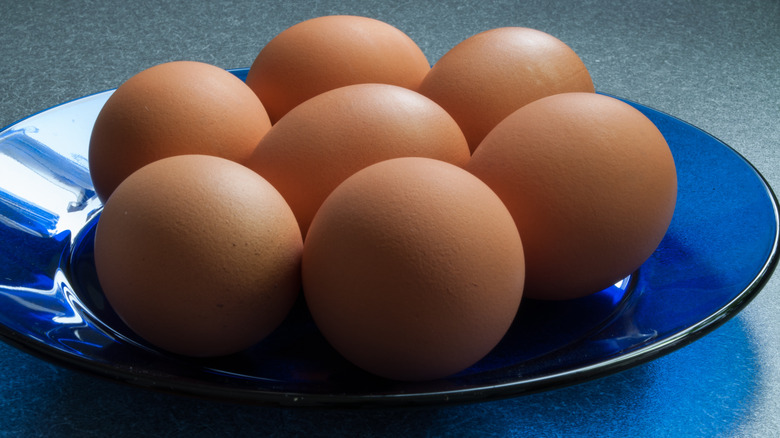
[
  {"x": 323, "y": 53},
  {"x": 324, "y": 140},
  {"x": 591, "y": 184},
  {"x": 413, "y": 269},
  {"x": 491, "y": 74},
  {"x": 198, "y": 255},
  {"x": 174, "y": 108}
]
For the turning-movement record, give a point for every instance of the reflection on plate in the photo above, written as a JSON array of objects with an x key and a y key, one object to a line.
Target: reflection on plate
[{"x": 719, "y": 251}]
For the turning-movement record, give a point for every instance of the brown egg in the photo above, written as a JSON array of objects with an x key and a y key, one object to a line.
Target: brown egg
[
  {"x": 198, "y": 255},
  {"x": 413, "y": 269},
  {"x": 591, "y": 184},
  {"x": 328, "y": 52},
  {"x": 329, "y": 137},
  {"x": 489, "y": 75},
  {"x": 175, "y": 108}
]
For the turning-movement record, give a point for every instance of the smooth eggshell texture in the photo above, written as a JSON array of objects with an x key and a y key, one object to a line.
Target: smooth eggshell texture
[
  {"x": 175, "y": 108},
  {"x": 591, "y": 184},
  {"x": 198, "y": 255},
  {"x": 487, "y": 76},
  {"x": 328, "y": 52},
  {"x": 329, "y": 137},
  {"x": 413, "y": 269}
]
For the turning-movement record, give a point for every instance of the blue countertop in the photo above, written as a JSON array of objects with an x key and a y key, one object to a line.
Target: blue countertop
[{"x": 714, "y": 65}]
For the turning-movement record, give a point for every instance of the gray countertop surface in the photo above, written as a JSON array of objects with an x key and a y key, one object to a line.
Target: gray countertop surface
[{"x": 713, "y": 64}]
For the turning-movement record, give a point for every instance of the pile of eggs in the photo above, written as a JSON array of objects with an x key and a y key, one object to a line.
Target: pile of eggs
[{"x": 414, "y": 206}]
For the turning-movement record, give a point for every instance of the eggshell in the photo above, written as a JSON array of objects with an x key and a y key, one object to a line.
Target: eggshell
[
  {"x": 591, "y": 184},
  {"x": 328, "y": 52},
  {"x": 486, "y": 77},
  {"x": 198, "y": 255},
  {"x": 324, "y": 140},
  {"x": 413, "y": 269},
  {"x": 179, "y": 107}
]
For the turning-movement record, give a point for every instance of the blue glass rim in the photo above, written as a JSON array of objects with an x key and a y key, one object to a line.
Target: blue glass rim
[{"x": 230, "y": 387}]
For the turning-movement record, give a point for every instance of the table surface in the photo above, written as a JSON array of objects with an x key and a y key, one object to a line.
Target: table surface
[{"x": 713, "y": 64}]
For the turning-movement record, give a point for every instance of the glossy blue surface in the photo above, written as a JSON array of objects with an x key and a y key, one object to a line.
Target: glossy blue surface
[{"x": 710, "y": 264}]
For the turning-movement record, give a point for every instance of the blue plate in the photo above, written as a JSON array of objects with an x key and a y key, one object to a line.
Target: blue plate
[{"x": 719, "y": 251}]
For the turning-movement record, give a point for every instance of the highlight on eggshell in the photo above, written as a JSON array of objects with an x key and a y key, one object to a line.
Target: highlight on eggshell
[
  {"x": 591, "y": 184},
  {"x": 327, "y": 138},
  {"x": 489, "y": 75},
  {"x": 329, "y": 52},
  {"x": 413, "y": 269},
  {"x": 174, "y": 108}
]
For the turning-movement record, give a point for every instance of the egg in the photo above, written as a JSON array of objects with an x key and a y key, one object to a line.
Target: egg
[
  {"x": 174, "y": 108},
  {"x": 198, "y": 255},
  {"x": 328, "y": 52},
  {"x": 489, "y": 75},
  {"x": 591, "y": 184},
  {"x": 322, "y": 141},
  {"x": 413, "y": 269}
]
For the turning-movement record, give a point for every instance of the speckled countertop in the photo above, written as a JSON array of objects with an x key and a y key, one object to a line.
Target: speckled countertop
[{"x": 713, "y": 64}]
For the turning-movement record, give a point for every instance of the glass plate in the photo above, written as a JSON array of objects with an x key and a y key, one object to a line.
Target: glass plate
[{"x": 719, "y": 251}]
